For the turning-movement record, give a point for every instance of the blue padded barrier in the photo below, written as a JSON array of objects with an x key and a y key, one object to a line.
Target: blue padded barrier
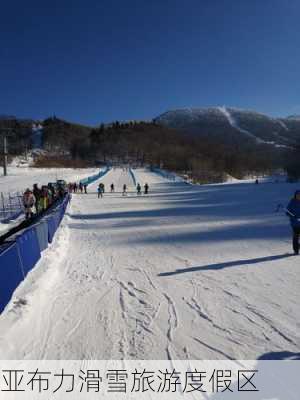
[
  {"x": 133, "y": 176},
  {"x": 57, "y": 218},
  {"x": 54, "y": 219},
  {"x": 61, "y": 212},
  {"x": 93, "y": 178},
  {"x": 51, "y": 228},
  {"x": 29, "y": 249},
  {"x": 11, "y": 273},
  {"x": 165, "y": 174},
  {"x": 42, "y": 234},
  {"x": 19, "y": 256}
]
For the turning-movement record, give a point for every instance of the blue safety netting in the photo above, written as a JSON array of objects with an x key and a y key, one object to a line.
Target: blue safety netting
[
  {"x": 166, "y": 174},
  {"x": 132, "y": 176},
  {"x": 93, "y": 178}
]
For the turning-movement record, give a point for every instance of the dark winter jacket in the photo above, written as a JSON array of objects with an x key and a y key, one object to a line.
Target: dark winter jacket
[{"x": 294, "y": 208}]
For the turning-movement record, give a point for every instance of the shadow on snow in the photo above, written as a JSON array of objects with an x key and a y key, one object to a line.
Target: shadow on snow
[{"x": 229, "y": 264}]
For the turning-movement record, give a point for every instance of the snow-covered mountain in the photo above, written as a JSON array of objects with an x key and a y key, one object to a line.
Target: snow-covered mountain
[
  {"x": 233, "y": 124},
  {"x": 294, "y": 117}
]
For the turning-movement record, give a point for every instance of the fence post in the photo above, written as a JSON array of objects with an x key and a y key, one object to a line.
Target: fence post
[
  {"x": 20, "y": 202},
  {"x": 10, "y": 205},
  {"x": 3, "y": 207}
]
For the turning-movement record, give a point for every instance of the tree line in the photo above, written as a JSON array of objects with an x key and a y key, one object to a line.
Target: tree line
[{"x": 205, "y": 158}]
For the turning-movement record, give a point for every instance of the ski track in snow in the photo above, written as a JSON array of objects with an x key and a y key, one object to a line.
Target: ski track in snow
[
  {"x": 185, "y": 272},
  {"x": 283, "y": 125},
  {"x": 235, "y": 125}
]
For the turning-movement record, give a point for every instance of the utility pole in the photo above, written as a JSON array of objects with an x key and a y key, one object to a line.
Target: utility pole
[
  {"x": 6, "y": 132},
  {"x": 4, "y": 155}
]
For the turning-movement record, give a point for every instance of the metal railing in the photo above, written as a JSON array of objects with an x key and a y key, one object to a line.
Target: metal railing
[{"x": 10, "y": 206}]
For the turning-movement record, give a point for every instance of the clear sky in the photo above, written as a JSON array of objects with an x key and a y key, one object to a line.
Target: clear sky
[{"x": 93, "y": 61}]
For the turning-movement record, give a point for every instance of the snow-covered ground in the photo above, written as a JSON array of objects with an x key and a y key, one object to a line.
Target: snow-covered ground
[
  {"x": 19, "y": 179},
  {"x": 199, "y": 272}
]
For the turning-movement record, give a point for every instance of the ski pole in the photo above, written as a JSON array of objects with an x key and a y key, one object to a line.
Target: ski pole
[{"x": 291, "y": 214}]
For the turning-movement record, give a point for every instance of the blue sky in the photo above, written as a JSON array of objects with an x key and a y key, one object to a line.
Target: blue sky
[{"x": 96, "y": 61}]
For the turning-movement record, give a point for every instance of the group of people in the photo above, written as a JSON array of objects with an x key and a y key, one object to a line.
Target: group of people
[
  {"x": 139, "y": 189},
  {"x": 39, "y": 199},
  {"x": 101, "y": 189},
  {"x": 76, "y": 188}
]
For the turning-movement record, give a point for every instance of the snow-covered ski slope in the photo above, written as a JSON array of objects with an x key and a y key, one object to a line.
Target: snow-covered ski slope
[{"x": 199, "y": 272}]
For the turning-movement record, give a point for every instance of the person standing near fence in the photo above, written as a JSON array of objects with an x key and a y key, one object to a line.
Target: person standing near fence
[
  {"x": 45, "y": 198},
  {"x": 37, "y": 194},
  {"x": 51, "y": 190},
  {"x": 29, "y": 202}
]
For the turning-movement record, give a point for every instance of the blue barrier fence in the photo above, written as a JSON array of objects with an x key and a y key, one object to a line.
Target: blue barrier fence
[
  {"x": 166, "y": 174},
  {"x": 93, "y": 178},
  {"x": 11, "y": 272},
  {"x": 20, "y": 254},
  {"x": 132, "y": 176}
]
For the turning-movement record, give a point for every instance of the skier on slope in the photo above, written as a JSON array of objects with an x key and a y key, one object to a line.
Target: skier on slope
[
  {"x": 100, "y": 191},
  {"x": 293, "y": 211},
  {"x": 101, "y": 184}
]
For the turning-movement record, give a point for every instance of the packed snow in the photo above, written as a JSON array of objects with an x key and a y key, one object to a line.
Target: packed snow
[{"x": 198, "y": 272}]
